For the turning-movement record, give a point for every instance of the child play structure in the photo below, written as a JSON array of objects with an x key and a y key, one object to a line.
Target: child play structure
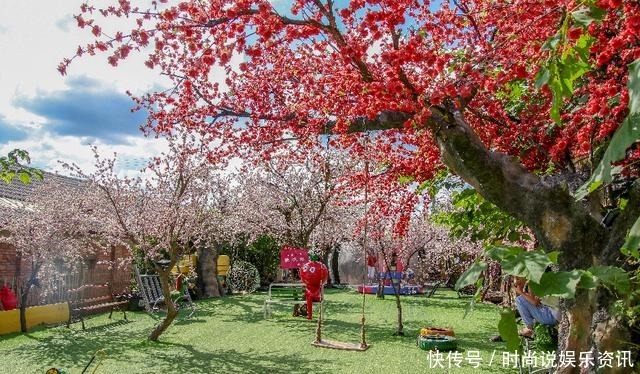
[{"x": 391, "y": 280}]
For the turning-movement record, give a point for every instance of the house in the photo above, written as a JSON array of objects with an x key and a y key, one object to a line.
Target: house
[{"x": 95, "y": 269}]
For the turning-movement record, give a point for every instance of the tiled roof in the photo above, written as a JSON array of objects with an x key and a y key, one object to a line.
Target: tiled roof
[
  {"x": 10, "y": 204},
  {"x": 16, "y": 190}
]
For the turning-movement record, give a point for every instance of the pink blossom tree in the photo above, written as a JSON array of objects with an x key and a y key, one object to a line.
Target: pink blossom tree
[
  {"x": 294, "y": 197},
  {"x": 53, "y": 228},
  {"x": 423, "y": 247},
  {"x": 165, "y": 213}
]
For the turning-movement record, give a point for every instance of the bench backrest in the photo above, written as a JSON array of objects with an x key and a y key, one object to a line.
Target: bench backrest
[
  {"x": 286, "y": 291},
  {"x": 150, "y": 289},
  {"x": 90, "y": 294}
]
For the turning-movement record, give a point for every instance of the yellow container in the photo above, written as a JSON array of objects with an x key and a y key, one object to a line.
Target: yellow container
[
  {"x": 9, "y": 321},
  {"x": 224, "y": 262},
  {"x": 35, "y": 315},
  {"x": 185, "y": 264}
]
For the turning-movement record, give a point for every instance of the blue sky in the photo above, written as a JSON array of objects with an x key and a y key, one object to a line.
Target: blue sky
[
  {"x": 85, "y": 110},
  {"x": 57, "y": 118}
]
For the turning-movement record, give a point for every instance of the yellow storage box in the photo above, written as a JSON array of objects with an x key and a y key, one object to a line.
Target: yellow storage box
[
  {"x": 185, "y": 264},
  {"x": 224, "y": 262}
]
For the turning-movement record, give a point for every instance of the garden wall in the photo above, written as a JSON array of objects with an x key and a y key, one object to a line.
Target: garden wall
[{"x": 37, "y": 315}]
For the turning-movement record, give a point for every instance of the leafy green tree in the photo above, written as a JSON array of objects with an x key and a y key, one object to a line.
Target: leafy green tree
[
  {"x": 472, "y": 216},
  {"x": 263, "y": 253},
  {"x": 11, "y": 167}
]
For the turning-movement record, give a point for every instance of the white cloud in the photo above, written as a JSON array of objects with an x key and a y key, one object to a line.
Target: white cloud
[
  {"x": 46, "y": 150},
  {"x": 35, "y": 36}
]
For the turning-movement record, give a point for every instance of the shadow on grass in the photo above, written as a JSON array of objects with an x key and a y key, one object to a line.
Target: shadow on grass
[
  {"x": 245, "y": 308},
  {"x": 334, "y": 329},
  {"x": 238, "y": 339},
  {"x": 479, "y": 342},
  {"x": 73, "y": 347},
  {"x": 125, "y": 342},
  {"x": 185, "y": 358}
]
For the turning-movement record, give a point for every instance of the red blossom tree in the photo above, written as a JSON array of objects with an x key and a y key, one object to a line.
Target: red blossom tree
[{"x": 466, "y": 84}]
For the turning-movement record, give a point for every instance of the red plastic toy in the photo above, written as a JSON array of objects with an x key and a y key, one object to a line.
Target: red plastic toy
[
  {"x": 8, "y": 298},
  {"x": 313, "y": 274}
]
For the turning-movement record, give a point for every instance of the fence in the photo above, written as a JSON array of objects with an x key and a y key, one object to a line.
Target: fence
[{"x": 55, "y": 290}]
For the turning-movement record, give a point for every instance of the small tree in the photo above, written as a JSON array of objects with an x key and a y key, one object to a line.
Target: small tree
[{"x": 164, "y": 213}]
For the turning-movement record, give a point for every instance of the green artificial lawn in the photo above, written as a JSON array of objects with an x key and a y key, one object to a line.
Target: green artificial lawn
[{"x": 230, "y": 335}]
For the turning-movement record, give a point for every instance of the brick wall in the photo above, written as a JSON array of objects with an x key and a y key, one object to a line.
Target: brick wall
[{"x": 7, "y": 261}]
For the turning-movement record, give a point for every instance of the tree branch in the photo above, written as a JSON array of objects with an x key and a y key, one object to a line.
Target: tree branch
[{"x": 547, "y": 208}]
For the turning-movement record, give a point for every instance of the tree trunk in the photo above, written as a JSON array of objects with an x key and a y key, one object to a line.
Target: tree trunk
[
  {"x": 208, "y": 272},
  {"x": 488, "y": 284},
  {"x": 391, "y": 267},
  {"x": 396, "y": 292},
  {"x": 380, "y": 291},
  {"x": 335, "y": 268},
  {"x": 171, "y": 308},
  {"x": 325, "y": 260},
  {"x": 559, "y": 222},
  {"x": 587, "y": 325},
  {"x": 24, "y": 296}
]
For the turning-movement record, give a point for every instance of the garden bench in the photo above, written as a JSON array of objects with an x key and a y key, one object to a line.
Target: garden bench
[
  {"x": 92, "y": 299},
  {"x": 150, "y": 290},
  {"x": 284, "y": 293}
]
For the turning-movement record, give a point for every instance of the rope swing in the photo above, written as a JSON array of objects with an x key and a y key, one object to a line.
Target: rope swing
[{"x": 362, "y": 346}]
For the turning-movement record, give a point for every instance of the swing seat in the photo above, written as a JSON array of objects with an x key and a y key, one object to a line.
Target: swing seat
[{"x": 340, "y": 345}]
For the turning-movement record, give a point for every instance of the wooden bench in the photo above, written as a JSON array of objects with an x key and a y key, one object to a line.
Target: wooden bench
[
  {"x": 284, "y": 293},
  {"x": 92, "y": 299}
]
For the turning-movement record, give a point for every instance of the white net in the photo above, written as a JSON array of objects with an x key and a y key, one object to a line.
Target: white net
[{"x": 243, "y": 277}]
